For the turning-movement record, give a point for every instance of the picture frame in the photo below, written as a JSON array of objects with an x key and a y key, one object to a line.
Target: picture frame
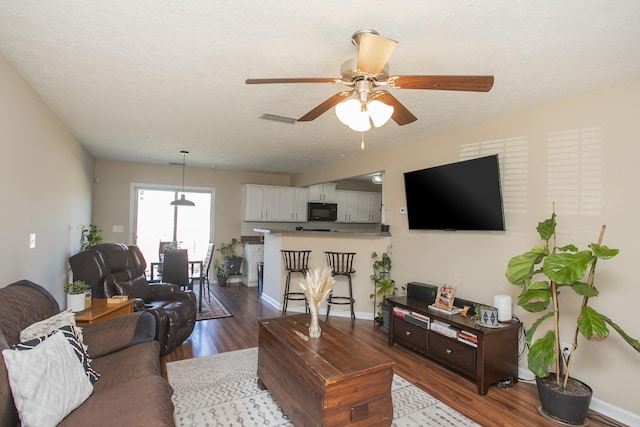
[{"x": 446, "y": 296}]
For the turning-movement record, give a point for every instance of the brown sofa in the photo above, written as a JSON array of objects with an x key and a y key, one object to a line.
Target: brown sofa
[
  {"x": 130, "y": 390},
  {"x": 117, "y": 269}
]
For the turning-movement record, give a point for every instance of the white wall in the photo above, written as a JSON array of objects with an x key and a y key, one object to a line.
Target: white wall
[
  {"x": 476, "y": 261},
  {"x": 46, "y": 181}
]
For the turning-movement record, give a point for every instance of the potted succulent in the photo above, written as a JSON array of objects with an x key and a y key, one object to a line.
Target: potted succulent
[
  {"x": 541, "y": 273},
  {"x": 90, "y": 236},
  {"x": 76, "y": 295},
  {"x": 221, "y": 272},
  {"x": 231, "y": 259}
]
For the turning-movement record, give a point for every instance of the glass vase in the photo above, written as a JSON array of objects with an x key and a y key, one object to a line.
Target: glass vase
[{"x": 314, "y": 326}]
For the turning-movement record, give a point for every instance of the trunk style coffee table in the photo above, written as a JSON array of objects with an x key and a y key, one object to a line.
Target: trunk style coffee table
[{"x": 333, "y": 380}]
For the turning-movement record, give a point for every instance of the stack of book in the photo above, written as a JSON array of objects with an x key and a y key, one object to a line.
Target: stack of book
[
  {"x": 412, "y": 317},
  {"x": 418, "y": 319},
  {"x": 444, "y": 329},
  {"x": 400, "y": 312},
  {"x": 468, "y": 338}
]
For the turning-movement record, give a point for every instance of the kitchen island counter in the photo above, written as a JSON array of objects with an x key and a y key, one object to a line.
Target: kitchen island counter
[
  {"x": 362, "y": 243},
  {"x": 315, "y": 232}
]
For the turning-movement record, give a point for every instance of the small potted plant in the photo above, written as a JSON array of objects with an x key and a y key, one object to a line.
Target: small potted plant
[
  {"x": 221, "y": 272},
  {"x": 231, "y": 259},
  {"x": 541, "y": 273},
  {"x": 385, "y": 288},
  {"x": 90, "y": 236},
  {"x": 381, "y": 264},
  {"x": 76, "y": 295}
]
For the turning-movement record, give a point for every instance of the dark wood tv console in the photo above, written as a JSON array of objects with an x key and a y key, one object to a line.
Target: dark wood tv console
[{"x": 494, "y": 359}]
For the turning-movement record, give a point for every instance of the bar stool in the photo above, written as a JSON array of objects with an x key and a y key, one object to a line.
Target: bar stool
[
  {"x": 341, "y": 264},
  {"x": 294, "y": 262}
]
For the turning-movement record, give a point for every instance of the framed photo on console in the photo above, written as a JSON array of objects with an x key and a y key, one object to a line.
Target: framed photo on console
[{"x": 446, "y": 296}]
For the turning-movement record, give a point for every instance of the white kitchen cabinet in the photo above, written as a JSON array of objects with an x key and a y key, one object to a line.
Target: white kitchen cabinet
[
  {"x": 253, "y": 253},
  {"x": 268, "y": 203},
  {"x": 375, "y": 207},
  {"x": 261, "y": 203},
  {"x": 359, "y": 206},
  {"x": 347, "y": 206},
  {"x": 293, "y": 204},
  {"x": 325, "y": 193}
]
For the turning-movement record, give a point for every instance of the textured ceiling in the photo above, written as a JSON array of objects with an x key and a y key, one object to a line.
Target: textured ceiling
[{"x": 141, "y": 80}]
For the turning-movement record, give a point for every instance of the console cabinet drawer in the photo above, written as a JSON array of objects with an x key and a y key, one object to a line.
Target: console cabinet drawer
[
  {"x": 411, "y": 335},
  {"x": 453, "y": 353}
]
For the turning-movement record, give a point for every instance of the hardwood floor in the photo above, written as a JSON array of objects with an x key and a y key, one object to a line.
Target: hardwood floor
[{"x": 515, "y": 406}]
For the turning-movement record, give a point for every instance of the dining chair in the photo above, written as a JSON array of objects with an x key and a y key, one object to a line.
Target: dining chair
[
  {"x": 203, "y": 275},
  {"x": 175, "y": 268}
]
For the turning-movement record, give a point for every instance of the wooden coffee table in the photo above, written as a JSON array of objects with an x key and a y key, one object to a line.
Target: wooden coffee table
[
  {"x": 333, "y": 380},
  {"x": 101, "y": 311}
]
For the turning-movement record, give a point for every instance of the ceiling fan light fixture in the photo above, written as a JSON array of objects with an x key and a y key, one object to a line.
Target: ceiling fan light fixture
[
  {"x": 347, "y": 111},
  {"x": 377, "y": 178},
  {"x": 380, "y": 112},
  {"x": 358, "y": 116}
]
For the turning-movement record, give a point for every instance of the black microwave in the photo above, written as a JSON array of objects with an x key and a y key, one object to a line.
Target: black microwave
[{"x": 322, "y": 212}]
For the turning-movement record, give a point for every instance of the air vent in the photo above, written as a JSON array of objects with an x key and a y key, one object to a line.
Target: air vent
[{"x": 277, "y": 118}]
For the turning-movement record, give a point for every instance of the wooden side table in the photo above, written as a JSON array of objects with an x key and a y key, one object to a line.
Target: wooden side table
[{"x": 101, "y": 311}]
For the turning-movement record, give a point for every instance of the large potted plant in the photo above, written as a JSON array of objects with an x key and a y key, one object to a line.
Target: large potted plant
[
  {"x": 541, "y": 273},
  {"x": 231, "y": 258}
]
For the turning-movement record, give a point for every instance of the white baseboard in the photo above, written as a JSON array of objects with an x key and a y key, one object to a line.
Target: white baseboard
[{"x": 618, "y": 414}]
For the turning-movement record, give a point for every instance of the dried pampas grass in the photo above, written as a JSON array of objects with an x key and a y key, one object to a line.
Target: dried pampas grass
[{"x": 317, "y": 285}]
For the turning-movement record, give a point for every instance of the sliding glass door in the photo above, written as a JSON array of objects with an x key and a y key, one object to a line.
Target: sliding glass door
[{"x": 155, "y": 221}]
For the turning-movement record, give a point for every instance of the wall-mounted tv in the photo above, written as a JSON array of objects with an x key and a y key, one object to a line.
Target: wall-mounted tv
[{"x": 464, "y": 195}]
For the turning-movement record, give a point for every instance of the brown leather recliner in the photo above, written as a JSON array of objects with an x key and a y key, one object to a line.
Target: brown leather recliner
[{"x": 117, "y": 269}]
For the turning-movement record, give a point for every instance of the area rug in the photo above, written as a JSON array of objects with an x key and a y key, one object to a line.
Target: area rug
[
  {"x": 212, "y": 308},
  {"x": 223, "y": 390}
]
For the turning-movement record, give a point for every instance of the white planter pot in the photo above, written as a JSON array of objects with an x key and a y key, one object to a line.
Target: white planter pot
[{"x": 76, "y": 302}]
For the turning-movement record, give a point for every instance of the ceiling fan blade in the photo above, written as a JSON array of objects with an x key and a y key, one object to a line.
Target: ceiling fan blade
[
  {"x": 326, "y": 105},
  {"x": 466, "y": 83},
  {"x": 373, "y": 52},
  {"x": 293, "y": 80},
  {"x": 400, "y": 115}
]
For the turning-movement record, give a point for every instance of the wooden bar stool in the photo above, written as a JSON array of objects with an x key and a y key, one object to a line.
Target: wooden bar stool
[
  {"x": 341, "y": 264},
  {"x": 294, "y": 262}
]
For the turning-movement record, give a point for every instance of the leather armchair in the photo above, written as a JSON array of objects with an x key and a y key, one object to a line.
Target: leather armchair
[{"x": 117, "y": 269}]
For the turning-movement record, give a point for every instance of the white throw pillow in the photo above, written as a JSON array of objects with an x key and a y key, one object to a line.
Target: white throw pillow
[
  {"x": 47, "y": 382},
  {"x": 46, "y": 326}
]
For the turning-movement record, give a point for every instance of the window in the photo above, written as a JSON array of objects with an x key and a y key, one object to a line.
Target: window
[{"x": 155, "y": 221}]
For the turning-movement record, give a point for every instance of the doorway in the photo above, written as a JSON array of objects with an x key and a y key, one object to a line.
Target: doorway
[{"x": 155, "y": 221}]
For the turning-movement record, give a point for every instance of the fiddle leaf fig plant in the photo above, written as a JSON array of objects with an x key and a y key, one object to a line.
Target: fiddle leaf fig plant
[{"x": 541, "y": 273}]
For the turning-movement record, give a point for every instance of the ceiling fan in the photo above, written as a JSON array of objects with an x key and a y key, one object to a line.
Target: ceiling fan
[{"x": 366, "y": 77}]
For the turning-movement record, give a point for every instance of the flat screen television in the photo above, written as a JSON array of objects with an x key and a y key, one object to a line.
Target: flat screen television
[{"x": 464, "y": 195}]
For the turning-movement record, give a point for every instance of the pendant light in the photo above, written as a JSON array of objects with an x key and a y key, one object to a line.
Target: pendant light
[{"x": 182, "y": 201}]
